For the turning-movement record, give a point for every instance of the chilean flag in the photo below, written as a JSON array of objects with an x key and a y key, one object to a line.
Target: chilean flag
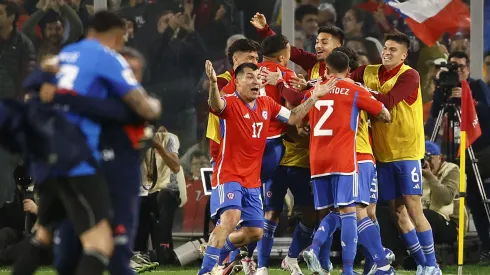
[
  {"x": 469, "y": 118},
  {"x": 430, "y": 19}
]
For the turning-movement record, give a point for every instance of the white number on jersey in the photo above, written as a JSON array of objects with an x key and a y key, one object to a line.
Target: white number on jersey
[
  {"x": 318, "y": 131},
  {"x": 257, "y": 128},
  {"x": 67, "y": 76},
  {"x": 415, "y": 175}
]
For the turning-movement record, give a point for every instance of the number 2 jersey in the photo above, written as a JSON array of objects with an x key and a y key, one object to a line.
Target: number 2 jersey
[
  {"x": 244, "y": 134},
  {"x": 334, "y": 123}
]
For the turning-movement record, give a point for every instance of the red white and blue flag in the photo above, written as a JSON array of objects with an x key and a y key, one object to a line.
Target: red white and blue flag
[{"x": 430, "y": 19}]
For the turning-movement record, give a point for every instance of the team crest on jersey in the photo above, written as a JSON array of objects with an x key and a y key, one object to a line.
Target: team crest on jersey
[
  {"x": 230, "y": 195},
  {"x": 265, "y": 114},
  {"x": 269, "y": 194}
]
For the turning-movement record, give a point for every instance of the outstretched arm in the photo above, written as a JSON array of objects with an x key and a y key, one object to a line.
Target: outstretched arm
[
  {"x": 216, "y": 103},
  {"x": 301, "y": 57}
]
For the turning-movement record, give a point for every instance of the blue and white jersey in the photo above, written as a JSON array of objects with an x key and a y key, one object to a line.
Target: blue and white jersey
[{"x": 90, "y": 69}]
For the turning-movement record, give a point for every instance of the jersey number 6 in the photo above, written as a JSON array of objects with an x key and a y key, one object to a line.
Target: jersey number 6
[{"x": 317, "y": 130}]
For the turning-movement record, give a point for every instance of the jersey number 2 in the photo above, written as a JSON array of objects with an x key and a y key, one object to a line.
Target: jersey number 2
[
  {"x": 257, "y": 128},
  {"x": 67, "y": 76},
  {"x": 318, "y": 131}
]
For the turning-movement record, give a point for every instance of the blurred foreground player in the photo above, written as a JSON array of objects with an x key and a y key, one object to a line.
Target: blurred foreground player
[
  {"x": 88, "y": 68},
  {"x": 121, "y": 167},
  {"x": 334, "y": 124},
  {"x": 236, "y": 195},
  {"x": 399, "y": 147}
]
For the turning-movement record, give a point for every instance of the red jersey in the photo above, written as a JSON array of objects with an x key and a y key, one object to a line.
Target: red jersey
[
  {"x": 244, "y": 136},
  {"x": 334, "y": 121},
  {"x": 276, "y": 128}
]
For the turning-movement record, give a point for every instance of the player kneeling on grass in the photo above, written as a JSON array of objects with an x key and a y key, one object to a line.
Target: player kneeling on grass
[{"x": 236, "y": 180}]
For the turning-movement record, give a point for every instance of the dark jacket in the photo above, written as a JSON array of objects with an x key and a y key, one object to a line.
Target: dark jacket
[{"x": 17, "y": 57}]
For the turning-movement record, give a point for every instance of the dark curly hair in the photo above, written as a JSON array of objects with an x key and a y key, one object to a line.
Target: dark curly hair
[{"x": 242, "y": 45}]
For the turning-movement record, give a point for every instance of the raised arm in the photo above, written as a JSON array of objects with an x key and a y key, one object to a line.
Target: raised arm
[
  {"x": 299, "y": 112},
  {"x": 301, "y": 57},
  {"x": 215, "y": 102}
]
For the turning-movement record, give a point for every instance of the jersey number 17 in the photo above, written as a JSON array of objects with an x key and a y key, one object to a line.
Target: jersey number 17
[{"x": 317, "y": 130}]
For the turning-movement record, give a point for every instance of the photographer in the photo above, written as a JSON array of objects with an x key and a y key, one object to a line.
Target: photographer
[
  {"x": 481, "y": 147},
  {"x": 440, "y": 183}
]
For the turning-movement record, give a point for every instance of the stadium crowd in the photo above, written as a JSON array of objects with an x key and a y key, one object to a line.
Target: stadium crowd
[{"x": 396, "y": 193}]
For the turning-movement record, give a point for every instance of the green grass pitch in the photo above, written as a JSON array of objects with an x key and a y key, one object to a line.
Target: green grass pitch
[{"x": 451, "y": 270}]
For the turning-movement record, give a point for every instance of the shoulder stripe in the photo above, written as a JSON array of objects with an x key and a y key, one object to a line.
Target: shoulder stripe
[{"x": 226, "y": 75}]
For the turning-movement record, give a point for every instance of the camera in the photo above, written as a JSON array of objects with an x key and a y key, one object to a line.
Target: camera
[
  {"x": 448, "y": 79},
  {"x": 23, "y": 180}
]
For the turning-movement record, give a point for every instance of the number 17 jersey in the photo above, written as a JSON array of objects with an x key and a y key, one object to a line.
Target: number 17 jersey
[{"x": 334, "y": 120}]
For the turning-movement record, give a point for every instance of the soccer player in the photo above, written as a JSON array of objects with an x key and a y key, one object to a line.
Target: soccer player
[
  {"x": 241, "y": 51},
  {"x": 399, "y": 147},
  {"x": 121, "y": 168},
  {"x": 334, "y": 122},
  {"x": 88, "y": 68},
  {"x": 329, "y": 37},
  {"x": 276, "y": 51},
  {"x": 236, "y": 182}
]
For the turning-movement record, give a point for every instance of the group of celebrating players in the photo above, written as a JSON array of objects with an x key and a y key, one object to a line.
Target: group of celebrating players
[{"x": 348, "y": 130}]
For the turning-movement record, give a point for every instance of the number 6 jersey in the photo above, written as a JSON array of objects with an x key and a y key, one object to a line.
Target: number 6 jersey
[
  {"x": 243, "y": 137},
  {"x": 333, "y": 124}
]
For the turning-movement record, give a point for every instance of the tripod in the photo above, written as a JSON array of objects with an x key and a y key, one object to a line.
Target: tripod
[{"x": 453, "y": 111}]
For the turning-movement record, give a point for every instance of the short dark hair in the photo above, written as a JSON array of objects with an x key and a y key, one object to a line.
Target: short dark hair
[
  {"x": 240, "y": 69},
  {"x": 338, "y": 61},
  {"x": 274, "y": 44},
  {"x": 11, "y": 8},
  {"x": 129, "y": 52},
  {"x": 459, "y": 54},
  {"x": 304, "y": 10},
  {"x": 333, "y": 31},
  {"x": 242, "y": 45},
  {"x": 399, "y": 38},
  {"x": 359, "y": 14},
  {"x": 351, "y": 54},
  {"x": 104, "y": 21}
]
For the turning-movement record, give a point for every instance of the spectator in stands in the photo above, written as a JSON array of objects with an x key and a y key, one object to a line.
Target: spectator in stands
[
  {"x": 481, "y": 147},
  {"x": 51, "y": 17},
  {"x": 16, "y": 61},
  {"x": 440, "y": 183},
  {"x": 306, "y": 17},
  {"x": 370, "y": 47},
  {"x": 358, "y": 24},
  {"x": 198, "y": 160},
  {"x": 487, "y": 67},
  {"x": 175, "y": 66},
  {"x": 201, "y": 146},
  {"x": 326, "y": 14},
  {"x": 164, "y": 190}
]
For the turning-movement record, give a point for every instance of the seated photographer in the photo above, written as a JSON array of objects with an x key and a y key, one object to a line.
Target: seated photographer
[
  {"x": 440, "y": 183},
  {"x": 481, "y": 95}
]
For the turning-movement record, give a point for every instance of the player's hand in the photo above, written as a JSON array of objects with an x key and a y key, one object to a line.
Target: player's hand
[
  {"x": 210, "y": 72},
  {"x": 259, "y": 21},
  {"x": 188, "y": 7},
  {"x": 50, "y": 64},
  {"x": 323, "y": 89},
  {"x": 47, "y": 92},
  {"x": 271, "y": 78},
  {"x": 303, "y": 131},
  {"x": 156, "y": 141},
  {"x": 30, "y": 206},
  {"x": 384, "y": 116},
  {"x": 298, "y": 82},
  {"x": 456, "y": 92}
]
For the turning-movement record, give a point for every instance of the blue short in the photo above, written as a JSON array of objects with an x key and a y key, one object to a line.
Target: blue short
[
  {"x": 232, "y": 195},
  {"x": 335, "y": 191},
  {"x": 367, "y": 174},
  {"x": 399, "y": 178},
  {"x": 273, "y": 152},
  {"x": 297, "y": 179}
]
